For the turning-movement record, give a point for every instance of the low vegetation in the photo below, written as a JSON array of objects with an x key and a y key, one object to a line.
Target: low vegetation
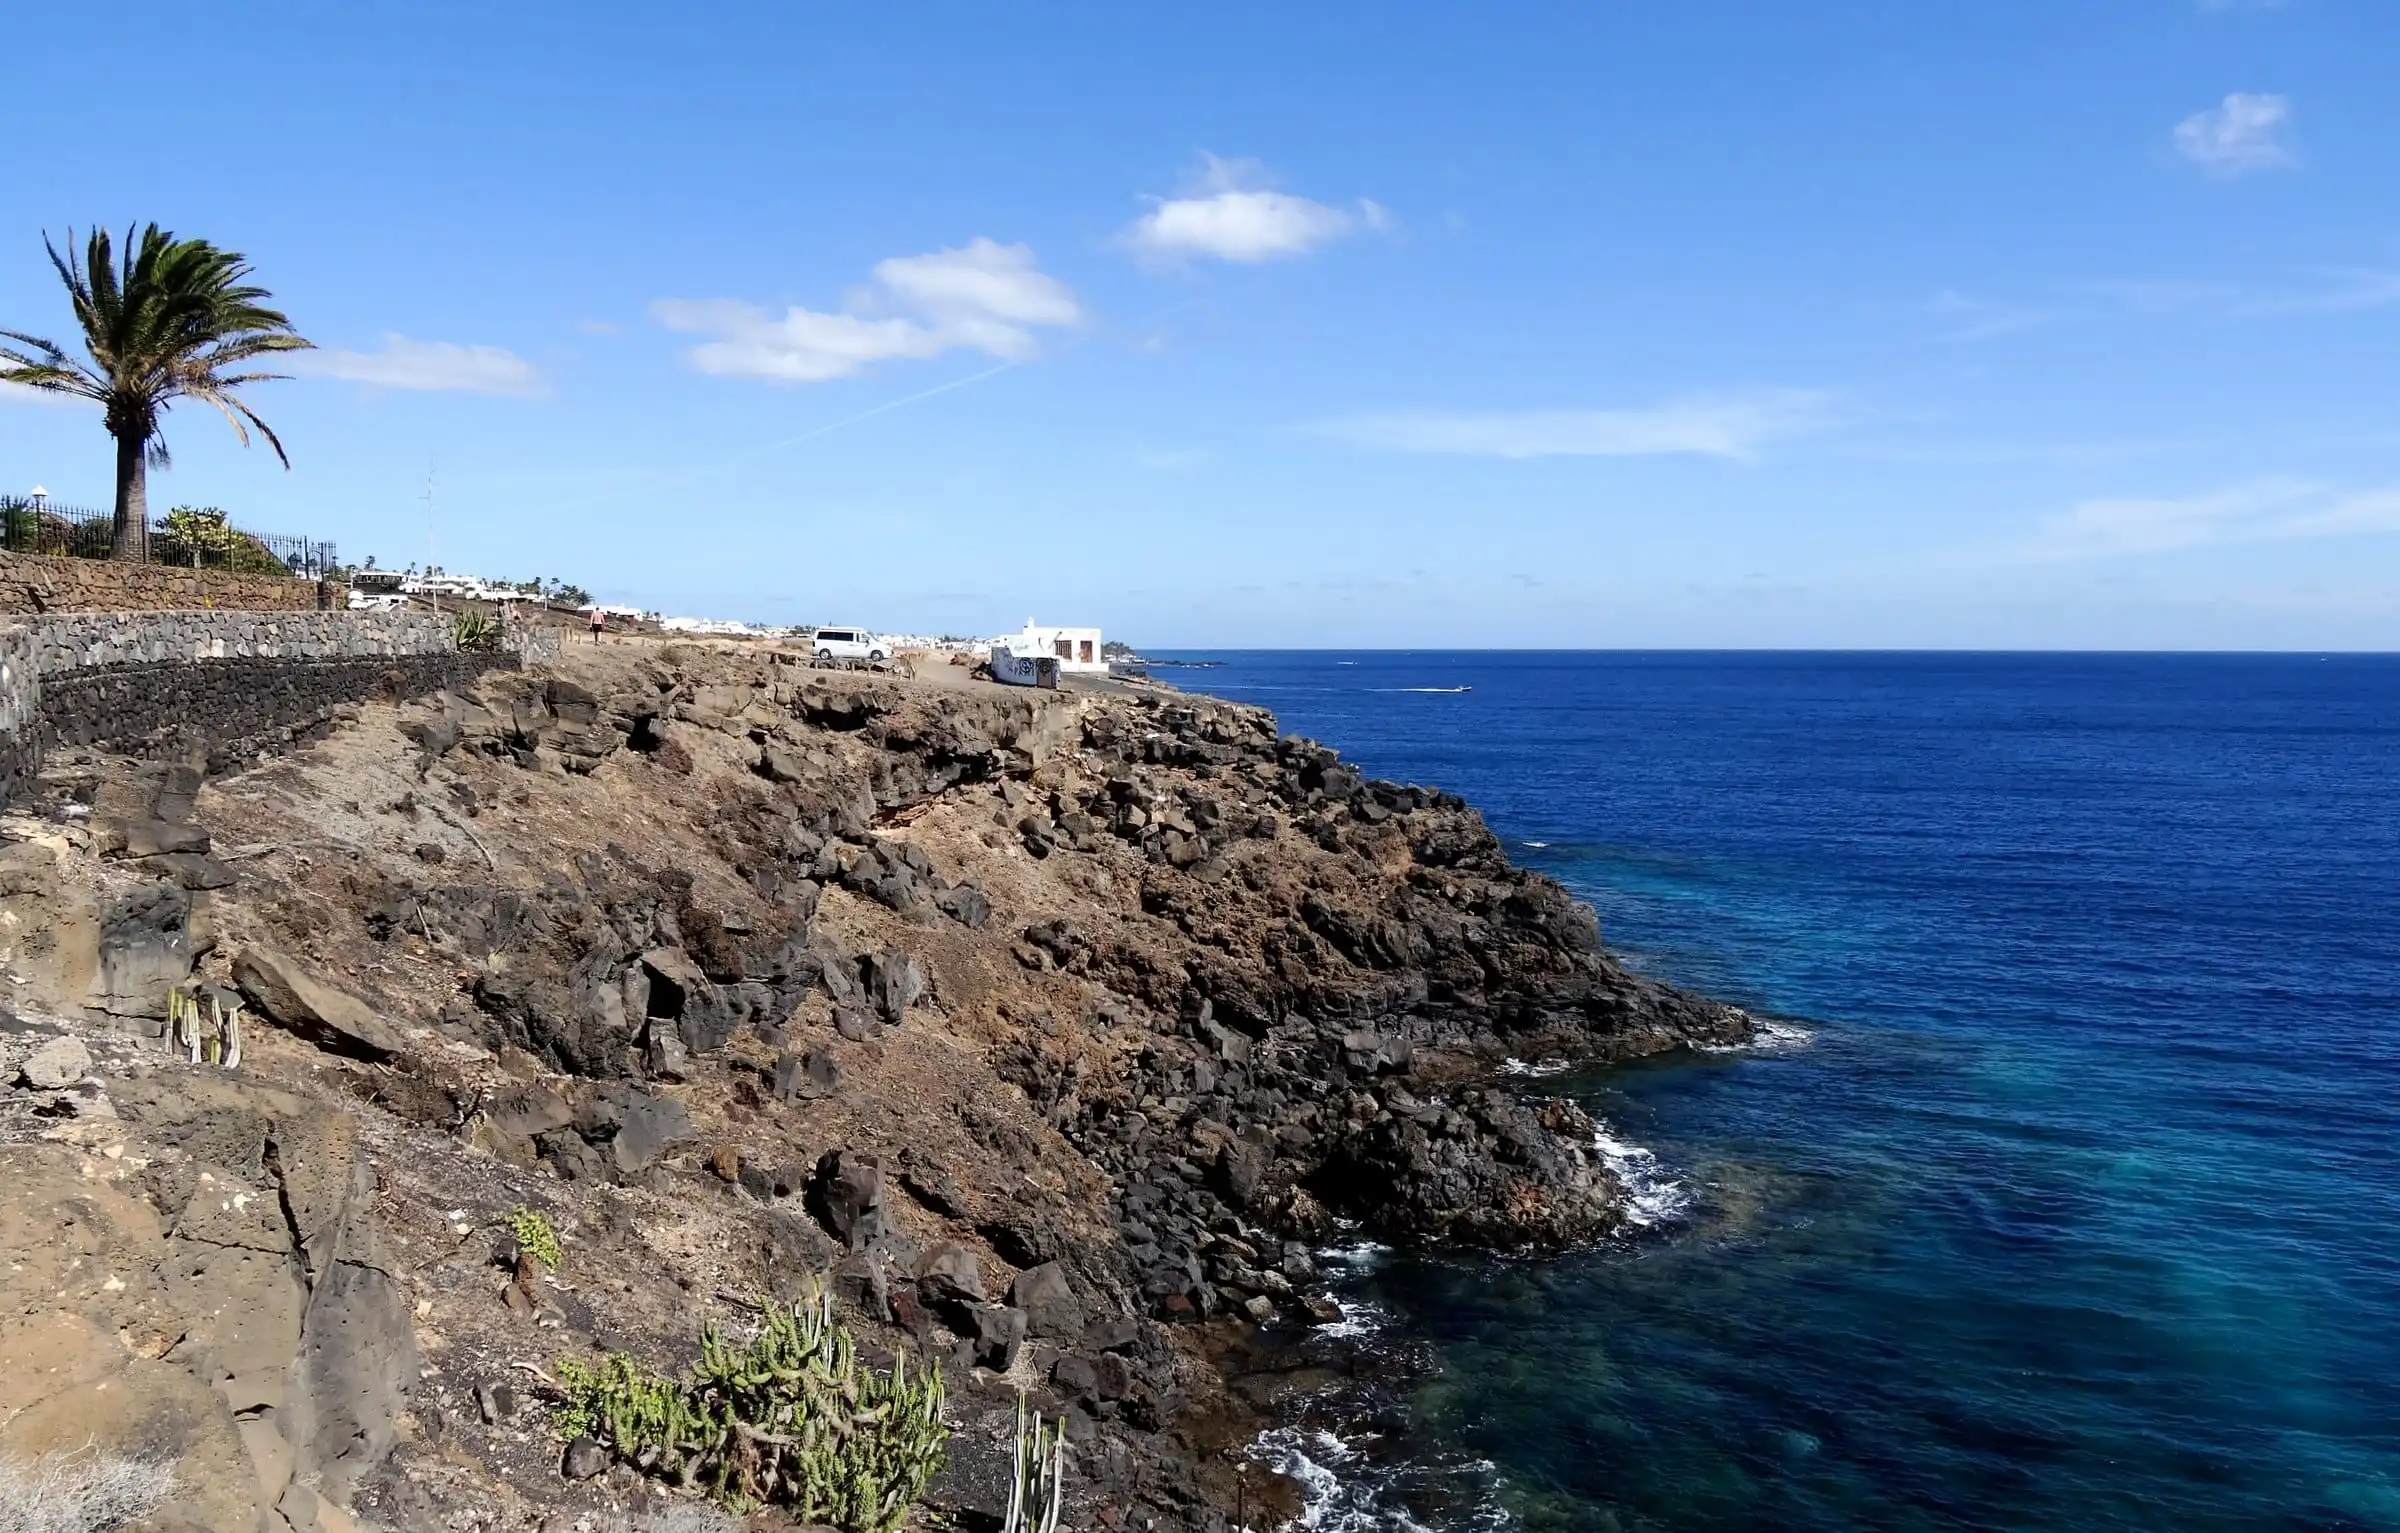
[
  {"x": 791, "y": 1419},
  {"x": 86, "y": 1492},
  {"x": 535, "y": 1237}
]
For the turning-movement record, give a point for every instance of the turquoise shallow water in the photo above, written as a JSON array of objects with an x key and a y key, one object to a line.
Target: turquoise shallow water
[{"x": 2077, "y": 1207}]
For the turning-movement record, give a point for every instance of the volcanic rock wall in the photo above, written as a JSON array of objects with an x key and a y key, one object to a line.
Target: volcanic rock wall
[
  {"x": 227, "y": 683},
  {"x": 32, "y": 584}
]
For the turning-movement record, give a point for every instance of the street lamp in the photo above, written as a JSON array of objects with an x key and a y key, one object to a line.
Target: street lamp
[{"x": 40, "y": 497}]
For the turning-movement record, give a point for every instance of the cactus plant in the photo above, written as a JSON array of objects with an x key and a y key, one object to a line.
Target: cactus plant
[
  {"x": 205, "y": 1022},
  {"x": 789, "y": 1417},
  {"x": 1036, "y": 1490}
]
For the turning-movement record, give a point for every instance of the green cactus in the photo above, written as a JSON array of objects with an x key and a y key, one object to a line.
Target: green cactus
[
  {"x": 205, "y": 1021},
  {"x": 788, "y": 1418},
  {"x": 1035, "y": 1492},
  {"x": 535, "y": 1237}
]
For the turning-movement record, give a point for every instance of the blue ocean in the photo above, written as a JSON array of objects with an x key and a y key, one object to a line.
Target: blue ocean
[{"x": 2066, "y": 1192}]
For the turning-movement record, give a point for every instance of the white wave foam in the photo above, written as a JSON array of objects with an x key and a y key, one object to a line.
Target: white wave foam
[
  {"x": 1364, "y": 1254},
  {"x": 1539, "y": 845},
  {"x": 1771, "y": 1038},
  {"x": 1329, "y": 1502},
  {"x": 1359, "y": 1319},
  {"x": 1651, "y": 1196},
  {"x": 1538, "y": 1067}
]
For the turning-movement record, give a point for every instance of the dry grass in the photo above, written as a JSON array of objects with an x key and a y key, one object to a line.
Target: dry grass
[
  {"x": 689, "y": 1517},
  {"x": 81, "y": 1492}
]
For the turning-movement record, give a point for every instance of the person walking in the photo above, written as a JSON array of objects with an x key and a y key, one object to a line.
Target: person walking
[{"x": 599, "y": 621}]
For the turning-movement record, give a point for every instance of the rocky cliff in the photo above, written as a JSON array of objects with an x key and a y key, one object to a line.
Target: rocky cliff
[{"x": 1060, "y": 1028}]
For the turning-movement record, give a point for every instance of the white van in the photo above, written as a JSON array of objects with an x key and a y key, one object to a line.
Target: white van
[{"x": 847, "y": 644}]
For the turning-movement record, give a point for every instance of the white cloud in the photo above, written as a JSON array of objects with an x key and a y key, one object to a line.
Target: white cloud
[
  {"x": 2260, "y": 511},
  {"x": 405, "y": 364},
  {"x": 2242, "y": 133},
  {"x": 1715, "y": 426},
  {"x": 1230, "y": 216},
  {"x": 984, "y": 296}
]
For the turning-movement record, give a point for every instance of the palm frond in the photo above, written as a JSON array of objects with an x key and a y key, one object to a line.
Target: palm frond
[{"x": 162, "y": 319}]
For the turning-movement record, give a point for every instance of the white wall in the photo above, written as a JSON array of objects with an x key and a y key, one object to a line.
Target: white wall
[{"x": 1043, "y": 639}]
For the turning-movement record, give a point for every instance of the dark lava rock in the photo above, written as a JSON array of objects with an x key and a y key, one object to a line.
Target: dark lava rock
[
  {"x": 806, "y": 1077},
  {"x": 895, "y": 981},
  {"x": 950, "y": 1277},
  {"x": 1052, "y": 1312},
  {"x": 967, "y": 905},
  {"x": 847, "y": 1195},
  {"x": 585, "y": 1460},
  {"x": 648, "y": 1128},
  {"x": 999, "y": 1336}
]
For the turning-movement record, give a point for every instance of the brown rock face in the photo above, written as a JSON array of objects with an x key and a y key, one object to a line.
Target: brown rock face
[
  {"x": 281, "y": 987},
  {"x": 256, "y": 1339}
]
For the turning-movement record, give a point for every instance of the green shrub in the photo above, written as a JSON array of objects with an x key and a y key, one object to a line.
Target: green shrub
[
  {"x": 475, "y": 630},
  {"x": 535, "y": 1237},
  {"x": 789, "y": 1418}
]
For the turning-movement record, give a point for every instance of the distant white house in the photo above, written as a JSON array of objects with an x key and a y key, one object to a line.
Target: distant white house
[{"x": 1077, "y": 650}]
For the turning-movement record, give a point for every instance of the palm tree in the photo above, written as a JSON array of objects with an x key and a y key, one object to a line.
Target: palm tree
[{"x": 168, "y": 325}]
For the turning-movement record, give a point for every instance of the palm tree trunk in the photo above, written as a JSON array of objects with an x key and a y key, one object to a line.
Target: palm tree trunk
[{"x": 130, "y": 538}]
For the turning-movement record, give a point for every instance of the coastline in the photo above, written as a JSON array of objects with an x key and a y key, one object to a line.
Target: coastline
[{"x": 1064, "y": 1029}]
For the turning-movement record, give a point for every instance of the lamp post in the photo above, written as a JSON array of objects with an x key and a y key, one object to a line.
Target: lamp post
[{"x": 40, "y": 498}]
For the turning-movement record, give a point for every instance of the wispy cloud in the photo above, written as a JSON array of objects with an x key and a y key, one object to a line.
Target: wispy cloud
[
  {"x": 1230, "y": 213},
  {"x": 401, "y": 363},
  {"x": 1979, "y": 319},
  {"x": 2323, "y": 291},
  {"x": 1173, "y": 460},
  {"x": 2258, "y": 511},
  {"x": 2245, "y": 132},
  {"x": 1738, "y": 425},
  {"x": 984, "y": 296}
]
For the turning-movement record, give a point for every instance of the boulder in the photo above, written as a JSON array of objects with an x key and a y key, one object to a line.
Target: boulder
[
  {"x": 58, "y": 1064},
  {"x": 846, "y": 1194},
  {"x": 895, "y": 981},
  {"x": 950, "y": 1276},
  {"x": 152, "y": 838},
  {"x": 969, "y": 906},
  {"x": 855, "y": 1025},
  {"x": 281, "y": 988},
  {"x": 806, "y": 1077},
  {"x": 585, "y": 1460},
  {"x": 145, "y": 948},
  {"x": 530, "y": 1113},
  {"x": 1052, "y": 1311},
  {"x": 999, "y": 1335},
  {"x": 648, "y": 1128}
]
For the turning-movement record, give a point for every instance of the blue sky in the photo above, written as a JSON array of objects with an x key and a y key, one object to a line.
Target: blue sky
[{"x": 1841, "y": 323}]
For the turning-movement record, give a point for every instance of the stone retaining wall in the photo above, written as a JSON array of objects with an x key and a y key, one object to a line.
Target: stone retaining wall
[
  {"x": 37, "y": 584},
  {"x": 230, "y": 684}
]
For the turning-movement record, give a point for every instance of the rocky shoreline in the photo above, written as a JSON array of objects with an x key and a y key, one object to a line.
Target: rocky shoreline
[{"x": 1061, "y": 1029}]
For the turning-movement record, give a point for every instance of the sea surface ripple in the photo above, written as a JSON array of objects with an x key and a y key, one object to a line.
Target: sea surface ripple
[{"x": 2069, "y": 1196}]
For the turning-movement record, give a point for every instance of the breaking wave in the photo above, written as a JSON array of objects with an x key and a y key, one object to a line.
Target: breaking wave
[{"x": 1651, "y": 1196}]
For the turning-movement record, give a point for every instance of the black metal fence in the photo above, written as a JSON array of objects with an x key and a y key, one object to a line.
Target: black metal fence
[{"x": 189, "y": 540}]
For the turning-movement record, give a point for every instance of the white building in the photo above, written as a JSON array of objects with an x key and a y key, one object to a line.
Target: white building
[{"x": 1077, "y": 650}]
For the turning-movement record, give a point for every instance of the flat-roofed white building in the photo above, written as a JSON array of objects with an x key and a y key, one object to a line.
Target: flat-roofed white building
[{"x": 1077, "y": 650}]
